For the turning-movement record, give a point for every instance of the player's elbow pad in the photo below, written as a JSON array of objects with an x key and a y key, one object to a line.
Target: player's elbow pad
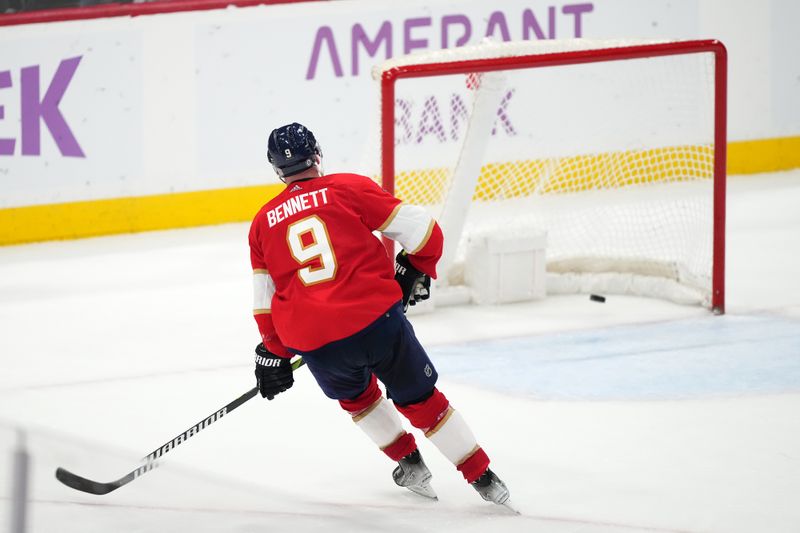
[{"x": 411, "y": 226}]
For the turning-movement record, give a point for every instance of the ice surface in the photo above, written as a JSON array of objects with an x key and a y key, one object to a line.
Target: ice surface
[{"x": 633, "y": 415}]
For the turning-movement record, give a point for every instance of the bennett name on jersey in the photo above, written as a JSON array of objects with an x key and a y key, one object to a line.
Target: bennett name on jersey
[{"x": 296, "y": 205}]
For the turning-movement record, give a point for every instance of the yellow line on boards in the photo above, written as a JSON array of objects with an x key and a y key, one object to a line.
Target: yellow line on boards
[
  {"x": 763, "y": 155},
  {"x": 126, "y": 215}
]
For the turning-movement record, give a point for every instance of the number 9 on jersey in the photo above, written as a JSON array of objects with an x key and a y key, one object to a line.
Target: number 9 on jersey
[{"x": 309, "y": 241}]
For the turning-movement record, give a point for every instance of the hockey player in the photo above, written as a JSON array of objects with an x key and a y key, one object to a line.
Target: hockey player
[{"x": 326, "y": 289}]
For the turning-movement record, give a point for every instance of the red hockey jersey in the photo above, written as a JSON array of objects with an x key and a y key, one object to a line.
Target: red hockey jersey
[{"x": 320, "y": 273}]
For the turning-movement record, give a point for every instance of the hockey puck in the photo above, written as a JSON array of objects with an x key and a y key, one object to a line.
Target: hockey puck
[{"x": 597, "y": 298}]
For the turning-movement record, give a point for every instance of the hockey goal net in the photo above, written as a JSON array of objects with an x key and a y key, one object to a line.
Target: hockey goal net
[{"x": 616, "y": 150}]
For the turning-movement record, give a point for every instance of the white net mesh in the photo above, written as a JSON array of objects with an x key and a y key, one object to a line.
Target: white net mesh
[{"x": 613, "y": 159}]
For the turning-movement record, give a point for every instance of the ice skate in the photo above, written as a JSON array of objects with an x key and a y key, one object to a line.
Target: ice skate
[
  {"x": 492, "y": 489},
  {"x": 412, "y": 474}
]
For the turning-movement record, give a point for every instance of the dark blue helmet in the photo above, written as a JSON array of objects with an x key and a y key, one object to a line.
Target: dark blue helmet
[{"x": 291, "y": 149}]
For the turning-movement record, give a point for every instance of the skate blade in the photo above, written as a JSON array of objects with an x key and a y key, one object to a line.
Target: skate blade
[
  {"x": 424, "y": 490},
  {"x": 508, "y": 505}
]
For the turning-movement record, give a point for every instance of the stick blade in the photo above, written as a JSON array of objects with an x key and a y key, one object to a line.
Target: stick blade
[{"x": 84, "y": 485}]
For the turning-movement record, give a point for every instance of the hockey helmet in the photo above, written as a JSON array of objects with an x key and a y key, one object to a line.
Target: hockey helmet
[{"x": 291, "y": 149}]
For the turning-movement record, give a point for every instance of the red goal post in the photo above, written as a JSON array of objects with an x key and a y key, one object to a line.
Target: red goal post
[{"x": 470, "y": 62}]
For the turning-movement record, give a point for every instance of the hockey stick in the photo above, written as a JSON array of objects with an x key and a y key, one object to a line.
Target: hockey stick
[{"x": 96, "y": 487}]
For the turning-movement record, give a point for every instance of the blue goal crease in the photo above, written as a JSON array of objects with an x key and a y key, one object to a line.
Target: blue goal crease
[{"x": 695, "y": 358}]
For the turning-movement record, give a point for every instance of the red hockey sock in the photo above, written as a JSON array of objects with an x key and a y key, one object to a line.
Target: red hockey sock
[
  {"x": 448, "y": 430},
  {"x": 401, "y": 447},
  {"x": 427, "y": 413},
  {"x": 380, "y": 422},
  {"x": 474, "y": 466},
  {"x": 364, "y": 400}
]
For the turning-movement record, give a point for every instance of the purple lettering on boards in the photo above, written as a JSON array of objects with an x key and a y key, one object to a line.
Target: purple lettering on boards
[
  {"x": 6, "y": 145},
  {"x": 35, "y": 110}
]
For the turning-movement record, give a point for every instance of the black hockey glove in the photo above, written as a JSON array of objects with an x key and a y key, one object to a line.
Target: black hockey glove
[
  {"x": 416, "y": 286},
  {"x": 273, "y": 373}
]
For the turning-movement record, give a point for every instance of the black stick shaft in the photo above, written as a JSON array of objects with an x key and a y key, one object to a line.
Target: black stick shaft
[{"x": 95, "y": 487}]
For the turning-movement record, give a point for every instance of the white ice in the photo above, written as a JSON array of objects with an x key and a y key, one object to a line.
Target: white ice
[{"x": 633, "y": 415}]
